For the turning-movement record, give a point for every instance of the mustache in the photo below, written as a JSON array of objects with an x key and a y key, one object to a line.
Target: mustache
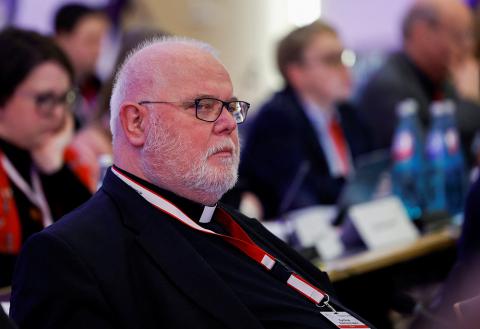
[{"x": 226, "y": 145}]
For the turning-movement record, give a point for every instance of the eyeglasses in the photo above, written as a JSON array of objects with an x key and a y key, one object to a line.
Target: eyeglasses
[
  {"x": 47, "y": 101},
  {"x": 333, "y": 59},
  {"x": 209, "y": 109}
]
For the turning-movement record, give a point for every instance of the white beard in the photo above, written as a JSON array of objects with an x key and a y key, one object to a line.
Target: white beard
[{"x": 166, "y": 163}]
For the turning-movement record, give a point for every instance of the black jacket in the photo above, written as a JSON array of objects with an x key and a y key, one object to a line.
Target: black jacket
[{"x": 117, "y": 262}]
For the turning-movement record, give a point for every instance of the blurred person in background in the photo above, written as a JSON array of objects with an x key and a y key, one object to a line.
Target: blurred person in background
[
  {"x": 36, "y": 125},
  {"x": 79, "y": 31},
  {"x": 301, "y": 145},
  {"x": 437, "y": 50},
  {"x": 92, "y": 144}
]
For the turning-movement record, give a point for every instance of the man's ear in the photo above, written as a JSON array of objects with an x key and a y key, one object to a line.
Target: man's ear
[{"x": 133, "y": 118}]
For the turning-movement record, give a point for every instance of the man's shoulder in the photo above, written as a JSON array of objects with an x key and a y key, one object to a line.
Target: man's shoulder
[
  {"x": 393, "y": 72},
  {"x": 94, "y": 219},
  {"x": 281, "y": 111},
  {"x": 243, "y": 220},
  {"x": 281, "y": 100},
  {"x": 253, "y": 225}
]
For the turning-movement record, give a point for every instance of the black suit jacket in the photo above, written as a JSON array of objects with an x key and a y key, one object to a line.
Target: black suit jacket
[
  {"x": 280, "y": 141},
  {"x": 118, "y": 262}
]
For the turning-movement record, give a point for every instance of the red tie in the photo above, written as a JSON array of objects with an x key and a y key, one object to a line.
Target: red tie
[{"x": 336, "y": 133}]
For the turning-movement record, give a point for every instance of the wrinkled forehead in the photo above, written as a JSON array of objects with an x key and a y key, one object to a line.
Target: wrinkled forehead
[{"x": 174, "y": 69}]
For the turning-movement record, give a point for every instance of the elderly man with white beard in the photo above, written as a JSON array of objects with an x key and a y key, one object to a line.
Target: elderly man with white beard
[{"x": 153, "y": 248}]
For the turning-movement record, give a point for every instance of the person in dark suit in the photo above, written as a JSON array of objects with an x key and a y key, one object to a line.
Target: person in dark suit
[
  {"x": 302, "y": 143},
  {"x": 437, "y": 41},
  {"x": 153, "y": 248}
]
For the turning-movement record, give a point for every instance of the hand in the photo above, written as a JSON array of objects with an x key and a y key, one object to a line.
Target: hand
[
  {"x": 49, "y": 156},
  {"x": 89, "y": 144},
  {"x": 466, "y": 78}
]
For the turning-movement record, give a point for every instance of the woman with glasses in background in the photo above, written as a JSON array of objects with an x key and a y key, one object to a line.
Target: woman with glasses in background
[{"x": 37, "y": 187}]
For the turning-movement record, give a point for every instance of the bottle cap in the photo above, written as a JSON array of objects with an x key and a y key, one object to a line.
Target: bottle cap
[
  {"x": 437, "y": 108},
  {"x": 449, "y": 106},
  {"x": 407, "y": 107}
]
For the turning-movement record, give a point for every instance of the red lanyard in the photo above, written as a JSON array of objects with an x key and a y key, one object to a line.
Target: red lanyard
[
  {"x": 340, "y": 144},
  {"x": 34, "y": 194},
  {"x": 239, "y": 239}
]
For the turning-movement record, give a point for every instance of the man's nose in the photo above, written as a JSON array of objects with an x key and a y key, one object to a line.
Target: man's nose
[{"x": 225, "y": 123}]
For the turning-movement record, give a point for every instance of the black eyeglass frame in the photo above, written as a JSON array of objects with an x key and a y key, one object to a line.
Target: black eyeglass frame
[{"x": 244, "y": 106}]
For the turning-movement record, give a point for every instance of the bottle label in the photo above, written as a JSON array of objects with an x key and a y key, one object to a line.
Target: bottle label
[
  {"x": 435, "y": 145},
  {"x": 403, "y": 146},
  {"x": 452, "y": 141}
]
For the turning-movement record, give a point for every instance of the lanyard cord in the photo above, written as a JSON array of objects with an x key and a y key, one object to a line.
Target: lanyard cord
[
  {"x": 239, "y": 239},
  {"x": 34, "y": 194}
]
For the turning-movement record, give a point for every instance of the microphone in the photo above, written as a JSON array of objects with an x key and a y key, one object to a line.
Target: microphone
[
  {"x": 294, "y": 187},
  {"x": 287, "y": 201}
]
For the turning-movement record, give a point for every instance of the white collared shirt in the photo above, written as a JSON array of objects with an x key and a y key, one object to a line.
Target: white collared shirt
[{"x": 320, "y": 120}]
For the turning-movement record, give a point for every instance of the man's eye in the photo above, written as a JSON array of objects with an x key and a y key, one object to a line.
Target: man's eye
[{"x": 206, "y": 105}]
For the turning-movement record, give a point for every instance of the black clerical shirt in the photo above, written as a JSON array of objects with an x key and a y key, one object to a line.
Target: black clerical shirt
[{"x": 275, "y": 304}]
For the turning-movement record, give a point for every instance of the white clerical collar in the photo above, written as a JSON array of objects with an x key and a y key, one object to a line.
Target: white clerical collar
[
  {"x": 198, "y": 212},
  {"x": 207, "y": 214}
]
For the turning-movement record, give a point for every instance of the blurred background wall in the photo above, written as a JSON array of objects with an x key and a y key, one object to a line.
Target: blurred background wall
[{"x": 245, "y": 32}]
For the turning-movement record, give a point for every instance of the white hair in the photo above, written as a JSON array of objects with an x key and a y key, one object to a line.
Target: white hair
[{"x": 126, "y": 77}]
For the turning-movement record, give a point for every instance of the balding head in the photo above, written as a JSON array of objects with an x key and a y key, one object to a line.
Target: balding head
[
  {"x": 152, "y": 65},
  {"x": 434, "y": 12},
  {"x": 438, "y": 34},
  {"x": 157, "y": 133}
]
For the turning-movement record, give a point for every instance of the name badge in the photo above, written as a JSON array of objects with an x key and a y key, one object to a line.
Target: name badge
[
  {"x": 344, "y": 320},
  {"x": 383, "y": 223}
]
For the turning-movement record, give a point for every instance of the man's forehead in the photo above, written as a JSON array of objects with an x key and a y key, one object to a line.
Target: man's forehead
[
  {"x": 174, "y": 60},
  {"x": 168, "y": 53},
  {"x": 165, "y": 66},
  {"x": 325, "y": 42}
]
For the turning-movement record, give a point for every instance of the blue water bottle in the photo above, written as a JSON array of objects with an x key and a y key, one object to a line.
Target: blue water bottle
[
  {"x": 408, "y": 163},
  {"x": 436, "y": 156},
  {"x": 456, "y": 177}
]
